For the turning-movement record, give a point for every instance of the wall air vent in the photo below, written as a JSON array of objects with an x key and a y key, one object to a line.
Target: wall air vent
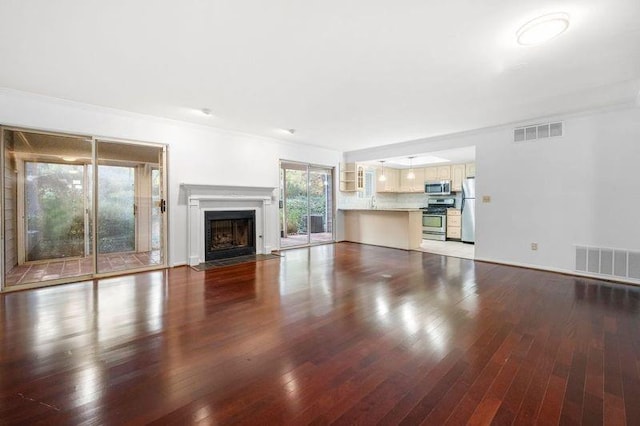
[
  {"x": 538, "y": 131},
  {"x": 607, "y": 261}
]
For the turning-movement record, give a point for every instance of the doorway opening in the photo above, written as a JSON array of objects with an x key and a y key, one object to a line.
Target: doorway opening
[{"x": 307, "y": 203}]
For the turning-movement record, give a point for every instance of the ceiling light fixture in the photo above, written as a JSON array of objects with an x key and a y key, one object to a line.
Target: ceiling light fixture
[
  {"x": 291, "y": 131},
  {"x": 542, "y": 28},
  {"x": 207, "y": 112},
  {"x": 382, "y": 177},
  {"x": 411, "y": 175},
  {"x": 69, "y": 159}
]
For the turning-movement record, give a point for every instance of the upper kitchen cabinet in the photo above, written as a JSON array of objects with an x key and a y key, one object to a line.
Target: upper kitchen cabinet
[
  {"x": 437, "y": 173},
  {"x": 458, "y": 173},
  {"x": 470, "y": 169},
  {"x": 348, "y": 177},
  {"x": 412, "y": 185},
  {"x": 360, "y": 180},
  {"x": 391, "y": 183}
]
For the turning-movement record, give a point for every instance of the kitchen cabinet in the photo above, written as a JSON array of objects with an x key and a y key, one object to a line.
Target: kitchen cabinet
[
  {"x": 470, "y": 170},
  {"x": 391, "y": 184},
  {"x": 348, "y": 177},
  {"x": 444, "y": 172},
  {"x": 412, "y": 185},
  {"x": 437, "y": 173},
  {"x": 458, "y": 173},
  {"x": 430, "y": 173},
  {"x": 454, "y": 223},
  {"x": 359, "y": 177}
]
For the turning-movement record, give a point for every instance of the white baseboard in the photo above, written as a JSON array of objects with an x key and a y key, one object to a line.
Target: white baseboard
[{"x": 563, "y": 271}]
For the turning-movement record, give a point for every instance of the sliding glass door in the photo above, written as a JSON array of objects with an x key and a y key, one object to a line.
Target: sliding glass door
[
  {"x": 55, "y": 201},
  {"x": 130, "y": 206},
  {"x": 306, "y": 204},
  {"x": 47, "y": 205}
]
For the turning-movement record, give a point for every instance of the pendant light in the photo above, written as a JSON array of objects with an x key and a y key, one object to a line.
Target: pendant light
[
  {"x": 411, "y": 175},
  {"x": 382, "y": 177}
]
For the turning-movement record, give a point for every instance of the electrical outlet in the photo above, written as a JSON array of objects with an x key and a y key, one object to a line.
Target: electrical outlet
[
  {"x": 486, "y": 198},
  {"x": 534, "y": 246}
]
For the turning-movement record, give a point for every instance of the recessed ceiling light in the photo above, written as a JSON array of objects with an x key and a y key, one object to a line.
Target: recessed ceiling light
[{"x": 543, "y": 28}]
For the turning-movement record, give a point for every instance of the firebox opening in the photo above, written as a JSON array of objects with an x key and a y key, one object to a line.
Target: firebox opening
[{"x": 229, "y": 234}]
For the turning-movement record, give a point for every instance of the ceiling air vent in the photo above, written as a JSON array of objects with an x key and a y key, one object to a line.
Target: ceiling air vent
[{"x": 538, "y": 131}]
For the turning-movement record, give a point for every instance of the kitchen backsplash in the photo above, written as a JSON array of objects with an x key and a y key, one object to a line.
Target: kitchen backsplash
[{"x": 350, "y": 200}]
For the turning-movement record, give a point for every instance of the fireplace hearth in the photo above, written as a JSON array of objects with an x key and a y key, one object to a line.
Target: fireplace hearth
[{"x": 229, "y": 233}]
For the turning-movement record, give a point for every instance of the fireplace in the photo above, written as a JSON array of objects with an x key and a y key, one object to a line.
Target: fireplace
[{"x": 229, "y": 233}]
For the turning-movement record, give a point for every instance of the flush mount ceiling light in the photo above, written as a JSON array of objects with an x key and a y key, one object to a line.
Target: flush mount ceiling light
[
  {"x": 382, "y": 177},
  {"x": 543, "y": 28},
  {"x": 411, "y": 175}
]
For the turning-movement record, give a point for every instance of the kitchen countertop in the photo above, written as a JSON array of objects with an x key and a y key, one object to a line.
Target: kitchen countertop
[
  {"x": 390, "y": 227},
  {"x": 382, "y": 209}
]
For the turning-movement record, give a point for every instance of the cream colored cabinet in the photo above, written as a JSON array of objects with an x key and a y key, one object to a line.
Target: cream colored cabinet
[
  {"x": 454, "y": 223},
  {"x": 458, "y": 173},
  {"x": 430, "y": 173},
  {"x": 437, "y": 173},
  {"x": 412, "y": 185},
  {"x": 359, "y": 177},
  {"x": 454, "y": 232},
  {"x": 347, "y": 177},
  {"x": 391, "y": 182},
  {"x": 470, "y": 170},
  {"x": 444, "y": 172}
]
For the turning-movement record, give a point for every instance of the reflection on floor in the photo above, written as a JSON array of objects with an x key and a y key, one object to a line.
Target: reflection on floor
[
  {"x": 56, "y": 269},
  {"x": 449, "y": 248},
  {"x": 300, "y": 240}
]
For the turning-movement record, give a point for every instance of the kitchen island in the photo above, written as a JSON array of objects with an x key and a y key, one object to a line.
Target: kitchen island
[{"x": 395, "y": 228}]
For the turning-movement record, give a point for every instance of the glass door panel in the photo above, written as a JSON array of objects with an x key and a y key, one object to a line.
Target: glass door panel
[
  {"x": 295, "y": 205},
  {"x": 306, "y": 204},
  {"x": 54, "y": 211},
  {"x": 47, "y": 206},
  {"x": 320, "y": 205},
  {"x": 116, "y": 212},
  {"x": 130, "y": 206}
]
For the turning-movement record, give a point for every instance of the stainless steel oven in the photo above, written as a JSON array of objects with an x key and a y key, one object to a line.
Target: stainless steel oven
[
  {"x": 434, "y": 218},
  {"x": 434, "y": 226}
]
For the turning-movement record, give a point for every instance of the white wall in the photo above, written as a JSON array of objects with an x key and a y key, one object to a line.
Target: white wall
[
  {"x": 197, "y": 154},
  {"x": 581, "y": 188}
]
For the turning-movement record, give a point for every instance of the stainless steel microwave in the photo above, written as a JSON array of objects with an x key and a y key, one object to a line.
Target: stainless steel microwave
[{"x": 437, "y": 187}]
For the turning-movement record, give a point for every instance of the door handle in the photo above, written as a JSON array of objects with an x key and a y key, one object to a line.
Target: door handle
[{"x": 163, "y": 206}]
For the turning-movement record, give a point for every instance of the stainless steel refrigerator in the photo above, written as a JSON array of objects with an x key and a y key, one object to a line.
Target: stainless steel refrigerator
[{"x": 469, "y": 210}]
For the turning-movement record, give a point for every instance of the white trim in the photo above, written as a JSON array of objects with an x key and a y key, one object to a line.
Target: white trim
[
  {"x": 202, "y": 198},
  {"x": 611, "y": 278}
]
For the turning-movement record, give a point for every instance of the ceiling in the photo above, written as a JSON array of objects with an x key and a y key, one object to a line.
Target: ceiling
[
  {"x": 345, "y": 75},
  {"x": 450, "y": 156}
]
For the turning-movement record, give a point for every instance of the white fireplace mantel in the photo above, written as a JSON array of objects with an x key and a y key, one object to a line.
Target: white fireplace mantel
[{"x": 202, "y": 198}]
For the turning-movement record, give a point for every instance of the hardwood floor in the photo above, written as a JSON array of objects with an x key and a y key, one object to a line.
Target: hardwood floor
[{"x": 344, "y": 334}]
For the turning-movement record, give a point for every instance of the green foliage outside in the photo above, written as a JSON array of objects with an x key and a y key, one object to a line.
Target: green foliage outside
[
  {"x": 296, "y": 198},
  {"x": 116, "y": 222},
  {"x": 55, "y": 210}
]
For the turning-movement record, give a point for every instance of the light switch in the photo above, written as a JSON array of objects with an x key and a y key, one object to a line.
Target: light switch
[{"x": 486, "y": 198}]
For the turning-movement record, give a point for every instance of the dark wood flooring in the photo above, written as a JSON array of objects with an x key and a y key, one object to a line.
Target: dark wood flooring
[{"x": 344, "y": 334}]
